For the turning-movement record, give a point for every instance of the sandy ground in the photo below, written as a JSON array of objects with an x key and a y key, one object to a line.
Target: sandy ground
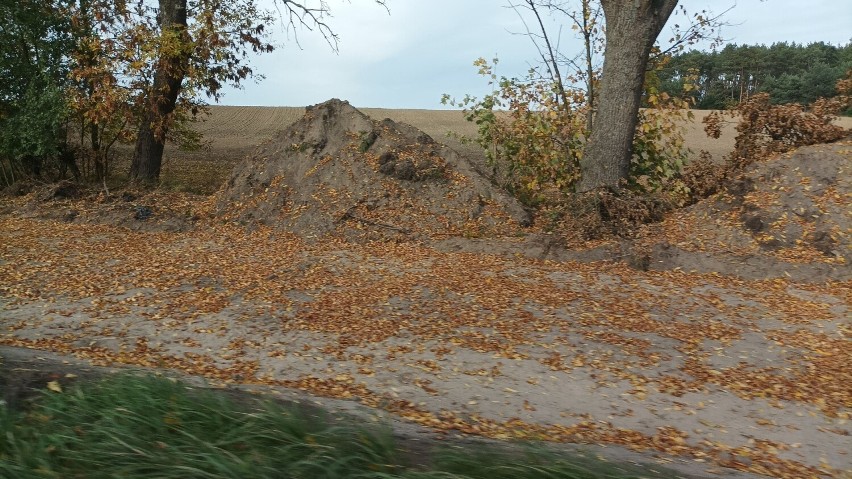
[{"x": 715, "y": 370}]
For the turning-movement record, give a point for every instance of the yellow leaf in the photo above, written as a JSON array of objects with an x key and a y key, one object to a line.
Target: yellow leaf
[{"x": 54, "y": 386}]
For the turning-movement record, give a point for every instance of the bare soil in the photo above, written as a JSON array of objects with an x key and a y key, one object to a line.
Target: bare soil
[
  {"x": 726, "y": 355},
  {"x": 338, "y": 171}
]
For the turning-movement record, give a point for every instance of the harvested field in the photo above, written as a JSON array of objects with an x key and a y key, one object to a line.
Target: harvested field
[{"x": 234, "y": 131}]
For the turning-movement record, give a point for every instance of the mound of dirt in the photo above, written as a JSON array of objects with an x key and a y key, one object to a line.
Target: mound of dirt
[
  {"x": 786, "y": 216},
  {"x": 337, "y": 171}
]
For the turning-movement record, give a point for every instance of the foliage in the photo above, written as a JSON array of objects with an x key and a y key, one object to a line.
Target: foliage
[
  {"x": 34, "y": 43},
  {"x": 703, "y": 177},
  {"x": 153, "y": 427},
  {"x": 534, "y": 140},
  {"x": 765, "y": 129},
  {"x": 659, "y": 147},
  {"x": 531, "y": 141},
  {"x": 119, "y": 48},
  {"x": 31, "y": 136},
  {"x": 143, "y": 74},
  {"x": 788, "y": 72},
  {"x": 537, "y": 145},
  {"x": 585, "y": 67}
]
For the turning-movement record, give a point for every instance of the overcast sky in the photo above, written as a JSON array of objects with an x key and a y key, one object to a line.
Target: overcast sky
[{"x": 424, "y": 48}]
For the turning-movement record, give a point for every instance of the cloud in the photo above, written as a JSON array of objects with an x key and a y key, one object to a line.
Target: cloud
[{"x": 426, "y": 47}]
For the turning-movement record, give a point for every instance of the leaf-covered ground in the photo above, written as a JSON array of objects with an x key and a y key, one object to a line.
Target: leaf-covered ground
[
  {"x": 751, "y": 375},
  {"x": 732, "y": 352}
]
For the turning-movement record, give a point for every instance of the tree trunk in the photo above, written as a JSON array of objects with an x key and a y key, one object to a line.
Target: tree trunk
[
  {"x": 168, "y": 76},
  {"x": 631, "y": 30},
  {"x": 97, "y": 155}
]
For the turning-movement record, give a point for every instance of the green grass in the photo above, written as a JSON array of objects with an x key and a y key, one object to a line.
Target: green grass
[{"x": 151, "y": 427}]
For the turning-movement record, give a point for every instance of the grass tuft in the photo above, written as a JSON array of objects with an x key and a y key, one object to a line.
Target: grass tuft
[{"x": 152, "y": 427}]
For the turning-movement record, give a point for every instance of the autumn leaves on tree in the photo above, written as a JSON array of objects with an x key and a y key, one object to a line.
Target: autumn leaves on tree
[
  {"x": 128, "y": 72},
  {"x": 153, "y": 66},
  {"x": 556, "y": 138},
  {"x": 163, "y": 61}
]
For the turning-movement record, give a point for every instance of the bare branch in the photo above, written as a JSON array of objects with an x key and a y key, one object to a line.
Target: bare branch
[
  {"x": 695, "y": 31},
  {"x": 294, "y": 14},
  {"x": 549, "y": 58},
  {"x": 298, "y": 15}
]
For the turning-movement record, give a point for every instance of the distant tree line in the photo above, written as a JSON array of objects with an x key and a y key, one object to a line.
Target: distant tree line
[{"x": 788, "y": 72}]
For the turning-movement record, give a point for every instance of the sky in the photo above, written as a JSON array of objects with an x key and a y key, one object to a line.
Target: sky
[{"x": 417, "y": 50}]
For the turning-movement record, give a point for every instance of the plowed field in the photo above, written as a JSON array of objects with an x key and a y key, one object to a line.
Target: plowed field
[{"x": 234, "y": 131}]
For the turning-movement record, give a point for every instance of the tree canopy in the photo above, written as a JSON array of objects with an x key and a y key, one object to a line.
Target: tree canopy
[
  {"x": 36, "y": 40},
  {"x": 103, "y": 72}
]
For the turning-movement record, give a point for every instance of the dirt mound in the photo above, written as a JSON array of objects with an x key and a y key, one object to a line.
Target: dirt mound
[
  {"x": 337, "y": 171},
  {"x": 782, "y": 216}
]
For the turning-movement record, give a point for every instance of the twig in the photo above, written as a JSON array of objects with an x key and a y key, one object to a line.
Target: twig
[
  {"x": 349, "y": 216},
  {"x": 379, "y": 225}
]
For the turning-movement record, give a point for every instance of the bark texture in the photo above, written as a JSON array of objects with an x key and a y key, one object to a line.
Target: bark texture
[
  {"x": 632, "y": 27},
  {"x": 168, "y": 76}
]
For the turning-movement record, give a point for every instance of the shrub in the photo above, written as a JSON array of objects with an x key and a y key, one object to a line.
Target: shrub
[
  {"x": 534, "y": 145},
  {"x": 534, "y": 136},
  {"x": 703, "y": 177},
  {"x": 765, "y": 129}
]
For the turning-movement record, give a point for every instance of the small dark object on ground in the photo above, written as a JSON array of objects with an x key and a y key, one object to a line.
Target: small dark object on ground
[{"x": 143, "y": 213}]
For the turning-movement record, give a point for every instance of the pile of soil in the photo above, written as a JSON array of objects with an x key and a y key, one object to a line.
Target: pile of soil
[
  {"x": 788, "y": 216},
  {"x": 800, "y": 199},
  {"x": 338, "y": 172}
]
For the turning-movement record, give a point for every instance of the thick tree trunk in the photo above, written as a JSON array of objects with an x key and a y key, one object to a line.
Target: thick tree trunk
[
  {"x": 631, "y": 30},
  {"x": 168, "y": 76}
]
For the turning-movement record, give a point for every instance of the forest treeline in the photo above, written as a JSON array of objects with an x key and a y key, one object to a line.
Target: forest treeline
[{"x": 788, "y": 72}]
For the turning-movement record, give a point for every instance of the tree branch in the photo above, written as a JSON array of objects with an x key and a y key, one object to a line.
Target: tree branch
[
  {"x": 550, "y": 58},
  {"x": 300, "y": 15}
]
